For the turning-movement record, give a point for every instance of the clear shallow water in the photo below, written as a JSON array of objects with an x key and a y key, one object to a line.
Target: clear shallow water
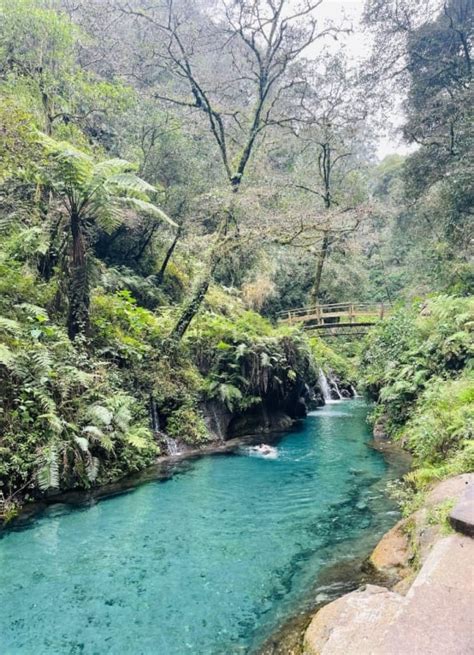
[{"x": 209, "y": 562}]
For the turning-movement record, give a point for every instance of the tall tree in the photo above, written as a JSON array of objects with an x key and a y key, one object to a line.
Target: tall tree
[
  {"x": 92, "y": 194},
  {"x": 38, "y": 56},
  {"x": 335, "y": 146},
  {"x": 237, "y": 72},
  {"x": 434, "y": 60}
]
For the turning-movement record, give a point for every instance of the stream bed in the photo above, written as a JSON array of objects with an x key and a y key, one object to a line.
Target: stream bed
[{"x": 210, "y": 561}]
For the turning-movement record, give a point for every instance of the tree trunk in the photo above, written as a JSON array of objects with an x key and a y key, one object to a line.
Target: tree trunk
[
  {"x": 192, "y": 307},
  {"x": 162, "y": 271},
  {"x": 78, "y": 295},
  {"x": 319, "y": 269}
]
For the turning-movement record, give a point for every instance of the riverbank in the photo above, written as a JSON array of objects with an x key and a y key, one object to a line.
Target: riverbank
[
  {"x": 163, "y": 469},
  {"x": 427, "y": 608},
  {"x": 262, "y": 422},
  {"x": 250, "y": 535}
]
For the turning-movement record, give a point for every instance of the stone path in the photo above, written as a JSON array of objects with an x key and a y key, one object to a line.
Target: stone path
[{"x": 436, "y": 617}]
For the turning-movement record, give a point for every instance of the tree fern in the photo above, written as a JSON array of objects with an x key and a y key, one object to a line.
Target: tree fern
[
  {"x": 92, "y": 192},
  {"x": 48, "y": 472}
]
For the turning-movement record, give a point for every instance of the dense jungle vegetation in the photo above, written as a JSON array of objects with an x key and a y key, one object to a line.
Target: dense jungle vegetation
[{"x": 174, "y": 175}]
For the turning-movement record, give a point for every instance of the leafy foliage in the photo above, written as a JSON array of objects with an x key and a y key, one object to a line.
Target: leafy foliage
[
  {"x": 433, "y": 339},
  {"x": 419, "y": 366}
]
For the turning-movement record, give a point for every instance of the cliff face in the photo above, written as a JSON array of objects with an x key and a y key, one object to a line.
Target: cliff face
[
  {"x": 276, "y": 411},
  {"x": 429, "y": 609}
]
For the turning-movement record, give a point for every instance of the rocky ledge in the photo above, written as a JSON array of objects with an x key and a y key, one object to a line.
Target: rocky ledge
[{"x": 429, "y": 608}]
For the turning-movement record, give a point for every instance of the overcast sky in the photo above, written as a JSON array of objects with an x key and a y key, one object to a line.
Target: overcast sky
[{"x": 358, "y": 46}]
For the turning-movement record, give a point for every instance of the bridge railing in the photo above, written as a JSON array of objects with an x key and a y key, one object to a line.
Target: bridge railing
[{"x": 350, "y": 311}]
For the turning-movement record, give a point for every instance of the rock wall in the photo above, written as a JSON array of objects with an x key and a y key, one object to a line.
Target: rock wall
[
  {"x": 274, "y": 413},
  {"x": 429, "y": 611}
]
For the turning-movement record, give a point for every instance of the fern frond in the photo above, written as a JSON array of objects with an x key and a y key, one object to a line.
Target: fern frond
[
  {"x": 52, "y": 418},
  {"x": 101, "y": 414},
  {"x": 8, "y": 222},
  {"x": 146, "y": 208},
  {"x": 41, "y": 362},
  {"x": 112, "y": 167},
  {"x": 130, "y": 182},
  {"x": 48, "y": 473},
  {"x": 7, "y": 357},
  {"x": 74, "y": 166},
  {"x": 93, "y": 431},
  {"x": 139, "y": 437},
  {"x": 9, "y": 325},
  {"x": 33, "y": 311},
  {"x": 83, "y": 443}
]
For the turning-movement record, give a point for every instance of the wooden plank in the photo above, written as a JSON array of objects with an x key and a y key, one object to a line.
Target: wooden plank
[{"x": 329, "y": 326}]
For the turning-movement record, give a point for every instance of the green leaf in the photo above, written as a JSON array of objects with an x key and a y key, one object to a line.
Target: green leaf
[{"x": 146, "y": 208}]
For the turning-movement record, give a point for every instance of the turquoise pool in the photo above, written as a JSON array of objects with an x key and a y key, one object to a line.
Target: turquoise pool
[{"x": 209, "y": 562}]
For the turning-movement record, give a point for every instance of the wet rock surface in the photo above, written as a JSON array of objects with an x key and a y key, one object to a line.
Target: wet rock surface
[
  {"x": 393, "y": 553},
  {"x": 436, "y": 616}
]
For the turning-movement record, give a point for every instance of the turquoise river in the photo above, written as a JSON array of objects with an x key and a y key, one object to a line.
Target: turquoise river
[{"x": 209, "y": 561}]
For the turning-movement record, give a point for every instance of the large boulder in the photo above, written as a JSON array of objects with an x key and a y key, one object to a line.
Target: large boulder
[
  {"x": 353, "y": 624},
  {"x": 392, "y": 554},
  {"x": 436, "y": 614},
  {"x": 258, "y": 421},
  {"x": 395, "y": 553},
  {"x": 461, "y": 516},
  {"x": 450, "y": 489},
  {"x": 434, "y": 618}
]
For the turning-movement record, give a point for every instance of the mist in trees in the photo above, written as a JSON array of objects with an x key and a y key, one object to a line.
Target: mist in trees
[{"x": 255, "y": 131}]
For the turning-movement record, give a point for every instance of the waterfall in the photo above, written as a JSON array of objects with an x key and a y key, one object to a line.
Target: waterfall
[
  {"x": 216, "y": 419},
  {"x": 354, "y": 391},
  {"x": 171, "y": 446},
  {"x": 324, "y": 386},
  {"x": 336, "y": 389}
]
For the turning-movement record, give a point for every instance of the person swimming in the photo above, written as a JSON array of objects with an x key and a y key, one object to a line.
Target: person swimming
[{"x": 263, "y": 450}]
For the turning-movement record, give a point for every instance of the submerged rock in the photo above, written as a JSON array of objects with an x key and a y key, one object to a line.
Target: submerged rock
[{"x": 380, "y": 429}]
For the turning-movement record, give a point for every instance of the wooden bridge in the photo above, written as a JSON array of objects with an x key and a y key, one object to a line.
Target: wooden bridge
[{"x": 337, "y": 319}]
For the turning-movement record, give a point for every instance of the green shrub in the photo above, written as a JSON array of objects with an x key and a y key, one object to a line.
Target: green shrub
[
  {"x": 413, "y": 346},
  {"x": 329, "y": 360},
  {"x": 186, "y": 424},
  {"x": 418, "y": 365}
]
